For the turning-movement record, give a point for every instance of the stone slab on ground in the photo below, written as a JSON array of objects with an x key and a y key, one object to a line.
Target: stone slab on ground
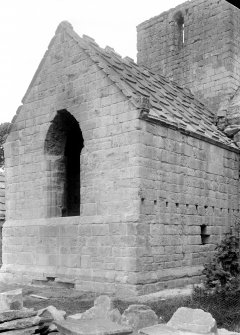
[
  {"x": 139, "y": 316},
  {"x": 16, "y": 314},
  {"x": 51, "y": 313},
  {"x": 102, "y": 306},
  {"x": 11, "y": 300},
  {"x": 161, "y": 329},
  {"x": 193, "y": 320},
  {"x": 91, "y": 327},
  {"x": 20, "y": 323},
  {"x": 103, "y": 309},
  {"x": 223, "y": 331},
  {"x": 26, "y": 331}
]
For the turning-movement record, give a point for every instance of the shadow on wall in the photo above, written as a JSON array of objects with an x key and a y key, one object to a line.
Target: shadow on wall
[{"x": 63, "y": 146}]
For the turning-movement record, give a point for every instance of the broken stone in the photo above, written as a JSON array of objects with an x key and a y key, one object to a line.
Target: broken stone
[
  {"x": 16, "y": 314},
  {"x": 102, "y": 309},
  {"x": 161, "y": 329},
  {"x": 52, "y": 312},
  {"x": 139, "y": 316},
  {"x": 26, "y": 331},
  {"x": 91, "y": 327},
  {"x": 104, "y": 302},
  {"x": 223, "y": 331},
  {"x": 76, "y": 316},
  {"x": 114, "y": 315},
  {"x": 102, "y": 305},
  {"x": 52, "y": 328},
  {"x": 46, "y": 316},
  {"x": 20, "y": 323},
  {"x": 193, "y": 320},
  {"x": 11, "y": 300},
  {"x": 232, "y": 130}
]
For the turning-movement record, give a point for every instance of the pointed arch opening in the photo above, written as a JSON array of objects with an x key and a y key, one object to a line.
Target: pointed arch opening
[
  {"x": 63, "y": 145},
  {"x": 180, "y": 29}
]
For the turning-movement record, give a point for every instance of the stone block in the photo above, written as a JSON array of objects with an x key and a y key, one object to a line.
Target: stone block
[
  {"x": 20, "y": 323},
  {"x": 11, "y": 300},
  {"x": 25, "y": 331},
  {"x": 103, "y": 309},
  {"x": 193, "y": 320},
  {"x": 16, "y": 314},
  {"x": 160, "y": 330},
  {"x": 52, "y": 312},
  {"x": 138, "y": 316},
  {"x": 91, "y": 327}
]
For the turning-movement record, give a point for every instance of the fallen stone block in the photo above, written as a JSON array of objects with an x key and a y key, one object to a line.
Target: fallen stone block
[
  {"x": 76, "y": 316},
  {"x": 223, "y": 331},
  {"x": 160, "y": 329},
  {"x": 51, "y": 313},
  {"x": 102, "y": 305},
  {"x": 91, "y": 327},
  {"x": 11, "y": 300},
  {"x": 26, "y": 331},
  {"x": 102, "y": 309},
  {"x": 104, "y": 301},
  {"x": 193, "y": 320},
  {"x": 16, "y": 314},
  {"x": 139, "y": 316},
  {"x": 20, "y": 323}
]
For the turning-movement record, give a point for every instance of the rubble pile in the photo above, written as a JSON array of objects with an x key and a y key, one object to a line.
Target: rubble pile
[
  {"x": 101, "y": 319},
  {"x": 18, "y": 320}
]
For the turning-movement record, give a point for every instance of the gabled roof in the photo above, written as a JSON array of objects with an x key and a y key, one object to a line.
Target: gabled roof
[{"x": 161, "y": 100}]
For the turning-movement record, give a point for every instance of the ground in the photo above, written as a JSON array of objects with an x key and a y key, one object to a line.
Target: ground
[
  {"x": 224, "y": 308},
  {"x": 66, "y": 299}
]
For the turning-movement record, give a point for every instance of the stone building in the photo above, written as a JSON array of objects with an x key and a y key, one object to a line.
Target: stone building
[
  {"x": 2, "y": 209},
  {"x": 117, "y": 178}
]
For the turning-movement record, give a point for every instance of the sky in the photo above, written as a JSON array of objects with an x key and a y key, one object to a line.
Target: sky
[{"x": 27, "y": 27}]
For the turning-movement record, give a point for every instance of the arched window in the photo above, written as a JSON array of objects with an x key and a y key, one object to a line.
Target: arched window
[
  {"x": 179, "y": 20},
  {"x": 63, "y": 146}
]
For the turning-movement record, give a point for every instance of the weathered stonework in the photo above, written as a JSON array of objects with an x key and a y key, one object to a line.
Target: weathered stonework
[
  {"x": 197, "y": 45},
  {"x": 93, "y": 247},
  {"x": 189, "y": 190},
  {"x": 2, "y": 209},
  {"x": 117, "y": 179}
]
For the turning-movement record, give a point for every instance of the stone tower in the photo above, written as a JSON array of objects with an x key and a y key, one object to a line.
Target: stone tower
[{"x": 196, "y": 44}]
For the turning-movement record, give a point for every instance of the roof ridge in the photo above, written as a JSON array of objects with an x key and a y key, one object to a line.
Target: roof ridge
[
  {"x": 183, "y": 113},
  {"x": 156, "y": 97}
]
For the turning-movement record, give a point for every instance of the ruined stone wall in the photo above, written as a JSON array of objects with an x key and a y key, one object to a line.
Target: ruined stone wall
[
  {"x": 2, "y": 209},
  {"x": 207, "y": 61},
  {"x": 91, "y": 249},
  {"x": 189, "y": 199}
]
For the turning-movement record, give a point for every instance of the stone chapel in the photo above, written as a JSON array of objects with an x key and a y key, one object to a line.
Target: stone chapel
[{"x": 122, "y": 177}]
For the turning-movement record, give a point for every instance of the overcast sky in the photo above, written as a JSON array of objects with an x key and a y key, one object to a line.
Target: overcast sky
[{"x": 27, "y": 27}]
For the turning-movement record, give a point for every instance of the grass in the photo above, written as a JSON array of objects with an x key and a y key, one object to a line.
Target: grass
[{"x": 225, "y": 309}]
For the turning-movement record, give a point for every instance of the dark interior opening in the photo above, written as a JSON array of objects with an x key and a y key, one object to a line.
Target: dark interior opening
[
  {"x": 63, "y": 146},
  {"x": 204, "y": 234},
  {"x": 179, "y": 19}
]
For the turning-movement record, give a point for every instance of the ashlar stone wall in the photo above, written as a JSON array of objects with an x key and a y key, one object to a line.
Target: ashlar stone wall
[
  {"x": 197, "y": 45},
  {"x": 153, "y": 201},
  {"x": 189, "y": 200},
  {"x": 2, "y": 209},
  {"x": 96, "y": 249}
]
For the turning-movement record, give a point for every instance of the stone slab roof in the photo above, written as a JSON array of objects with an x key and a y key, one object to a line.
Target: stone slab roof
[
  {"x": 161, "y": 100},
  {"x": 2, "y": 196}
]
